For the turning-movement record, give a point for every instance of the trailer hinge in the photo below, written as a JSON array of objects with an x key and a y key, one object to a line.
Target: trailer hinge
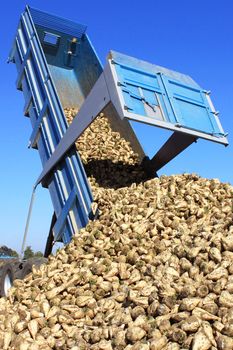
[{"x": 128, "y": 108}]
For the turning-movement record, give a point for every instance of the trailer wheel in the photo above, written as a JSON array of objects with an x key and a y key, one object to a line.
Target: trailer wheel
[
  {"x": 6, "y": 279},
  {"x": 27, "y": 267}
]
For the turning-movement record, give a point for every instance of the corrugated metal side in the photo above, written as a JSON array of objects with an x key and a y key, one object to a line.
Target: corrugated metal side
[
  {"x": 57, "y": 23},
  {"x": 68, "y": 185}
]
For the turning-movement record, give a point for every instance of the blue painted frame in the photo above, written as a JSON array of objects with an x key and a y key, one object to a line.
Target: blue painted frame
[
  {"x": 68, "y": 185},
  {"x": 177, "y": 98}
]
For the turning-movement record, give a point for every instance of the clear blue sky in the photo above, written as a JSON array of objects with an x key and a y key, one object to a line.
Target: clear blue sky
[{"x": 193, "y": 37}]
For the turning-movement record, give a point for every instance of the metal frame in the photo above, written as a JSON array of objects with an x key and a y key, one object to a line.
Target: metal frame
[
  {"x": 68, "y": 185},
  {"x": 159, "y": 123}
]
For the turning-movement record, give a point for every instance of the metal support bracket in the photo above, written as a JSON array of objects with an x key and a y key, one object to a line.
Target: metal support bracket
[
  {"x": 27, "y": 105},
  {"x": 35, "y": 132},
  {"x": 57, "y": 228},
  {"x": 28, "y": 222},
  {"x": 176, "y": 144},
  {"x": 50, "y": 239},
  {"x": 21, "y": 72}
]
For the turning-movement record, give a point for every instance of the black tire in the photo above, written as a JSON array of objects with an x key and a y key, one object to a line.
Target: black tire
[
  {"x": 27, "y": 266},
  {"x": 6, "y": 278}
]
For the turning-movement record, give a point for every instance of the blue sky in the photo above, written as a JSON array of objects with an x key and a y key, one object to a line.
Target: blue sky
[{"x": 193, "y": 37}]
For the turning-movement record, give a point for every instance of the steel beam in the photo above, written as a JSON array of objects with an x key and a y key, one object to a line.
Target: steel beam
[
  {"x": 176, "y": 144},
  {"x": 50, "y": 239},
  {"x": 27, "y": 105},
  {"x": 36, "y": 129},
  {"x": 21, "y": 72},
  {"x": 60, "y": 223}
]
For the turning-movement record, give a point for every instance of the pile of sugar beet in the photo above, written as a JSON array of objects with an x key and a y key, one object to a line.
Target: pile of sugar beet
[{"x": 153, "y": 272}]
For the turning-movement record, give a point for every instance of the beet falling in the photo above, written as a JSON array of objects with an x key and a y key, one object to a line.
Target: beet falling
[{"x": 154, "y": 271}]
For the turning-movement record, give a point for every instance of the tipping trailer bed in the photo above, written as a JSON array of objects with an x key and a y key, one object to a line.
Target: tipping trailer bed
[
  {"x": 58, "y": 68},
  {"x": 40, "y": 64}
]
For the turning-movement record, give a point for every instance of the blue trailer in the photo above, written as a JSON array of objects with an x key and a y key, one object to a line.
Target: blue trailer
[
  {"x": 58, "y": 68},
  {"x": 46, "y": 50}
]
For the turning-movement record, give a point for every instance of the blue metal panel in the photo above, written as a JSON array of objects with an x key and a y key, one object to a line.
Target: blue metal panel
[
  {"x": 150, "y": 91},
  {"x": 141, "y": 89},
  {"x": 146, "y": 67},
  {"x": 68, "y": 186},
  {"x": 57, "y": 23},
  {"x": 191, "y": 107}
]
